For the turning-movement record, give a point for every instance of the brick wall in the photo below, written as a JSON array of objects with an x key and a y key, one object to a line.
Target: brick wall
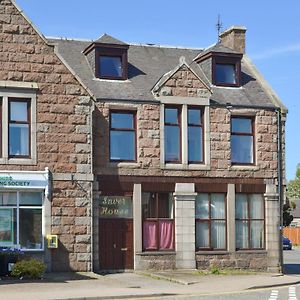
[{"x": 63, "y": 132}]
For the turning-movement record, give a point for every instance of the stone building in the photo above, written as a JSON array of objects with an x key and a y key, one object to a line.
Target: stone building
[
  {"x": 46, "y": 147},
  {"x": 151, "y": 157}
]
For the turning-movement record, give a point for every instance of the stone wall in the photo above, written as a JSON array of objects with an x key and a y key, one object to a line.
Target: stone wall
[
  {"x": 252, "y": 260},
  {"x": 184, "y": 83},
  {"x": 157, "y": 261},
  {"x": 148, "y": 143},
  {"x": 63, "y": 132}
]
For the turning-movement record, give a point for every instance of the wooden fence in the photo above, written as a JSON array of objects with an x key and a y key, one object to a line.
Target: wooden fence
[{"x": 293, "y": 233}]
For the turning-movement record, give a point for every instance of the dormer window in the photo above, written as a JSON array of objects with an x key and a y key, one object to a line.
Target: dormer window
[
  {"x": 110, "y": 66},
  {"x": 226, "y": 70},
  {"x": 108, "y": 58},
  {"x": 225, "y": 74},
  {"x": 111, "y": 63},
  {"x": 222, "y": 65}
]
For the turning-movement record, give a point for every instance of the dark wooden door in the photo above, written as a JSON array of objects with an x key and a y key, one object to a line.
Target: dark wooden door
[{"x": 115, "y": 244}]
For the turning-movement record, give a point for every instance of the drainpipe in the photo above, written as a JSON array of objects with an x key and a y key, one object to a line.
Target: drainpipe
[{"x": 280, "y": 184}]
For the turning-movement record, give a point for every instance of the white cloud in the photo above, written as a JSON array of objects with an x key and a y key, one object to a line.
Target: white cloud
[{"x": 276, "y": 52}]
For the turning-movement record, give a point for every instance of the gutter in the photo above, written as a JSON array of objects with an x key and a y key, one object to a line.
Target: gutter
[{"x": 280, "y": 184}]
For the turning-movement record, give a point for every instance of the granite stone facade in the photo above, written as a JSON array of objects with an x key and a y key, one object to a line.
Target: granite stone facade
[
  {"x": 70, "y": 140},
  {"x": 63, "y": 134}
]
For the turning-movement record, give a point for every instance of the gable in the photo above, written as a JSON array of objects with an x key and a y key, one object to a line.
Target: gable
[{"x": 182, "y": 82}]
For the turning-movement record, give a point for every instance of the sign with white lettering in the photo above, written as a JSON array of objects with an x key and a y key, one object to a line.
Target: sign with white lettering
[{"x": 115, "y": 207}]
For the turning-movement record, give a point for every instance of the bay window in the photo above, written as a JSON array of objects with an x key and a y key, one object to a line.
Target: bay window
[
  {"x": 21, "y": 220},
  {"x": 158, "y": 221},
  {"x": 210, "y": 221},
  {"x": 250, "y": 221},
  {"x": 242, "y": 140}
]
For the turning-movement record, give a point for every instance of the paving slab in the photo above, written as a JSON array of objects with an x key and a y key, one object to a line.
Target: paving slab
[{"x": 162, "y": 285}]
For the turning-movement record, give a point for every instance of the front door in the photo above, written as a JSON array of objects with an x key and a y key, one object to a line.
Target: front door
[{"x": 116, "y": 244}]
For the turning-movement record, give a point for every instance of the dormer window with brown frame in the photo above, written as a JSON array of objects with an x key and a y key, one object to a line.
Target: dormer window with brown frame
[
  {"x": 108, "y": 58},
  {"x": 111, "y": 63},
  {"x": 226, "y": 70}
]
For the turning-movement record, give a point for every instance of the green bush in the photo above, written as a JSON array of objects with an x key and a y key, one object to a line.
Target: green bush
[{"x": 32, "y": 269}]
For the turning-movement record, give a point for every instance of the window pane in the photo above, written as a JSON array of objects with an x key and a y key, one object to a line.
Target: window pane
[
  {"x": 31, "y": 228},
  {"x": 166, "y": 235},
  {"x": 257, "y": 234},
  {"x": 149, "y": 206},
  {"x": 19, "y": 139},
  {"x": 8, "y": 227},
  {"x": 225, "y": 73},
  {"x": 119, "y": 120},
  {"x": 202, "y": 209},
  {"x": 195, "y": 144},
  {"x": 122, "y": 145},
  {"x": 150, "y": 235},
  {"x": 218, "y": 206},
  {"x": 110, "y": 66},
  {"x": 218, "y": 234},
  {"x": 256, "y": 206},
  {"x": 171, "y": 116},
  {"x": 8, "y": 199},
  {"x": 242, "y": 234},
  {"x": 242, "y": 149},
  {"x": 31, "y": 199},
  {"x": 194, "y": 117},
  {"x": 241, "y": 125},
  {"x": 165, "y": 206},
  {"x": 172, "y": 143},
  {"x": 241, "y": 206},
  {"x": 202, "y": 235},
  {"x": 18, "y": 111}
]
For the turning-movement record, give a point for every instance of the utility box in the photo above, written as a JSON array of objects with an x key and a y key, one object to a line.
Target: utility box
[{"x": 52, "y": 241}]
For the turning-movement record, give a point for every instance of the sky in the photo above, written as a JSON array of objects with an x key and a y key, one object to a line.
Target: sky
[{"x": 272, "y": 38}]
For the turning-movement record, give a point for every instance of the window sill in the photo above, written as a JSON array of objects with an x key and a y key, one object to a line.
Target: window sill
[
  {"x": 32, "y": 250},
  {"x": 185, "y": 167},
  {"x": 211, "y": 252},
  {"x": 251, "y": 251},
  {"x": 227, "y": 87},
  {"x": 17, "y": 161},
  {"x": 244, "y": 168},
  {"x": 156, "y": 253},
  {"x": 122, "y": 164}
]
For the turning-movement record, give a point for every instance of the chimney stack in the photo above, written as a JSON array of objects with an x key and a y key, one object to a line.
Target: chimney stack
[{"x": 234, "y": 38}]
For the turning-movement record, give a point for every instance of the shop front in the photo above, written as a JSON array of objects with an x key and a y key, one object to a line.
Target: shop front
[{"x": 25, "y": 211}]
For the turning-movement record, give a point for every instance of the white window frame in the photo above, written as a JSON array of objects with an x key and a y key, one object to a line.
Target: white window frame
[
  {"x": 185, "y": 103},
  {"x": 18, "y": 207},
  {"x": 20, "y": 93}
]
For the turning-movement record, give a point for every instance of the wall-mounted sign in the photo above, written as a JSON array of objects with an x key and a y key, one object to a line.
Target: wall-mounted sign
[
  {"x": 115, "y": 207},
  {"x": 23, "y": 180},
  {"x": 9, "y": 181}
]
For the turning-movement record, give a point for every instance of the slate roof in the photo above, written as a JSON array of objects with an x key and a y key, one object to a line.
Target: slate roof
[
  {"x": 107, "y": 39},
  {"x": 217, "y": 48},
  {"x": 148, "y": 63}
]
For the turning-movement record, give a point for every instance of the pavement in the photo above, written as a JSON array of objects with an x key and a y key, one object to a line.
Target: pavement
[{"x": 178, "y": 284}]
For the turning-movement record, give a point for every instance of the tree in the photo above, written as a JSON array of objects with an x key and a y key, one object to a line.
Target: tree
[
  {"x": 293, "y": 187},
  {"x": 287, "y": 217}
]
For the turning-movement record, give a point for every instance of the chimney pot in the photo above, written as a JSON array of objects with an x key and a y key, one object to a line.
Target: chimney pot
[{"x": 234, "y": 38}]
